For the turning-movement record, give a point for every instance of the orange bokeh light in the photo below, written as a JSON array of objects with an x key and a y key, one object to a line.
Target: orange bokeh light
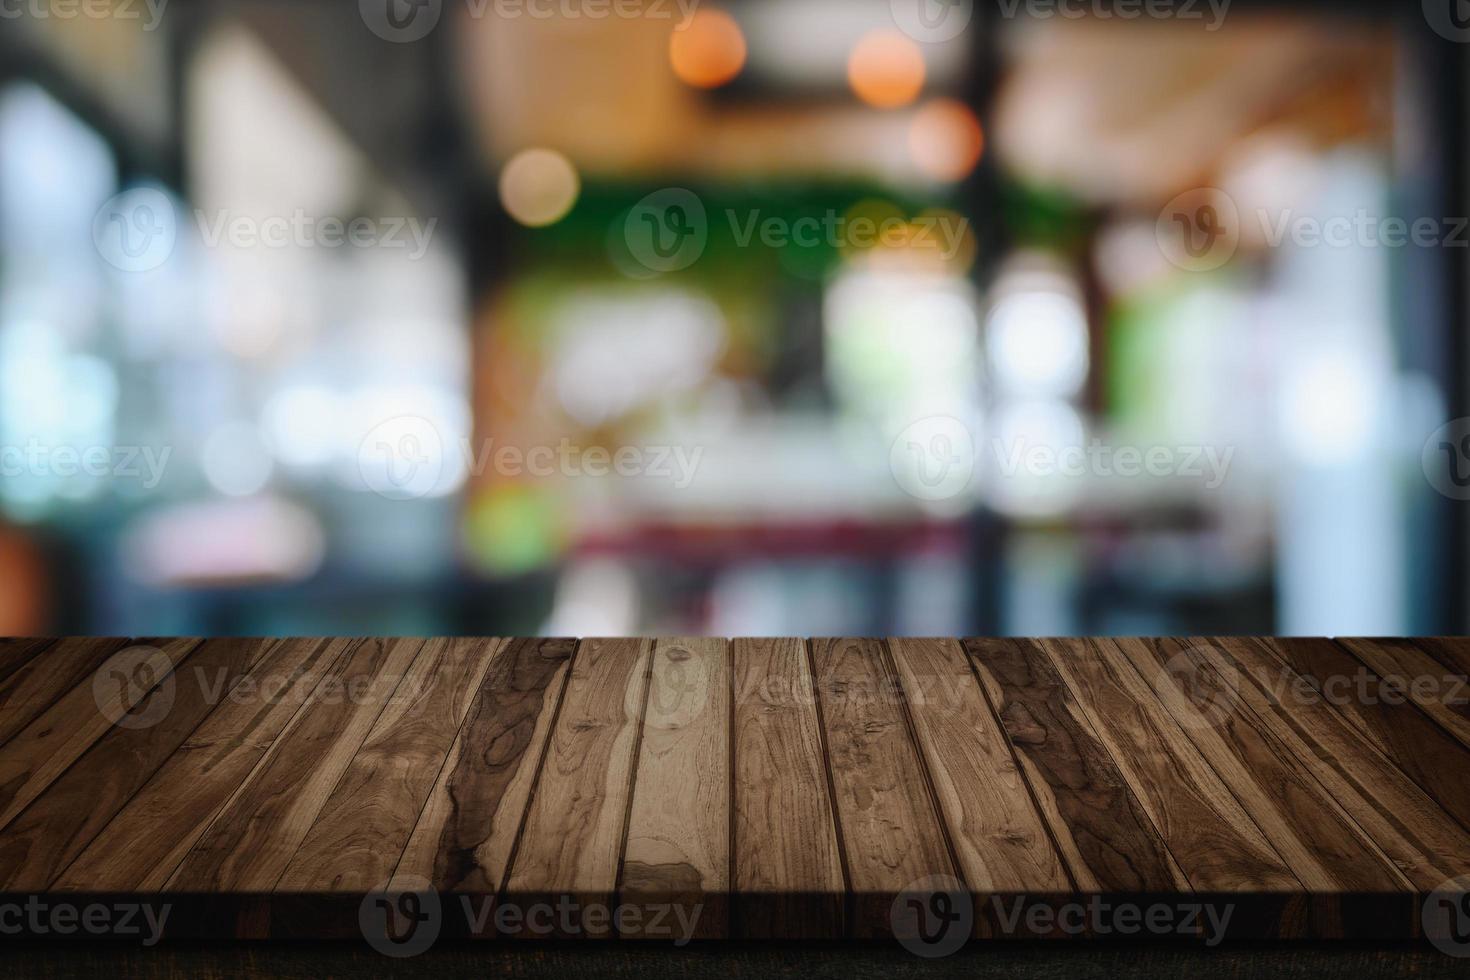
[
  {"x": 709, "y": 51},
  {"x": 886, "y": 69},
  {"x": 945, "y": 140}
]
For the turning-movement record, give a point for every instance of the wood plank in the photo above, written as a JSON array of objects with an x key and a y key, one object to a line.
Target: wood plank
[
  {"x": 571, "y": 844},
  {"x": 1102, "y": 830},
  {"x": 463, "y": 840},
  {"x": 143, "y": 845},
  {"x": 252, "y": 840},
  {"x": 1206, "y": 829},
  {"x": 787, "y": 864},
  {"x": 38, "y": 754},
  {"x": 360, "y": 834},
  {"x": 998, "y": 834},
  {"x": 1451, "y": 652},
  {"x": 1407, "y": 673},
  {"x": 17, "y": 651},
  {"x": 891, "y": 832},
  {"x": 53, "y": 830},
  {"x": 676, "y": 864},
  {"x": 1321, "y": 842},
  {"x": 1410, "y": 739},
  {"x": 1426, "y": 844},
  {"x": 36, "y": 685}
]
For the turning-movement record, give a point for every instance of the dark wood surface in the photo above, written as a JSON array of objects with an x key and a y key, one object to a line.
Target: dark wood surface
[{"x": 754, "y": 789}]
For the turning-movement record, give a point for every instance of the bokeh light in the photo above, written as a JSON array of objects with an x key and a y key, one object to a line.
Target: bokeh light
[
  {"x": 886, "y": 69},
  {"x": 946, "y": 140},
  {"x": 709, "y": 51},
  {"x": 538, "y": 187}
]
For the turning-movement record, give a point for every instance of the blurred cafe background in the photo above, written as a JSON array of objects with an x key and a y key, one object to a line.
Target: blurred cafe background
[{"x": 736, "y": 317}]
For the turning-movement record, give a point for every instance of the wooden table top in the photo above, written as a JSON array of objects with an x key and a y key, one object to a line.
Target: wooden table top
[{"x": 767, "y": 787}]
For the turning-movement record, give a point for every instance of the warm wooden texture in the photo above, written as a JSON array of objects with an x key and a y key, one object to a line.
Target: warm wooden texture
[
  {"x": 143, "y": 845},
  {"x": 37, "y": 844},
  {"x": 1207, "y": 830},
  {"x": 788, "y": 868},
  {"x": 1429, "y": 754},
  {"x": 16, "y": 652},
  {"x": 358, "y": 837},
  {"x": 463, "y": 840},
  {"x": 249, "y": 844},
  {"x": 998, "y": 834},
  {"x": 1105, "y": 835},
  {"x": 572, "y": 842},
  {"x": 112, "y": 686},
  {"x": 678, "y": 841},
  {"x": 695, "y": 788},
  {"x": 891, "y": 833}
]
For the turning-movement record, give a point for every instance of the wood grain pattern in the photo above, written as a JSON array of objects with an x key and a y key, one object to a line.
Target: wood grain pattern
[
  {"x": 1428, "y": 754},
  {"x": 788, "y": 869},
  {"x": 143, "y": 845},
  {"x": 1452, "y": 653},
  {"x": 249, "y": 844},
  {"x": 90, "y": 708},
  {"x": 1102, "y": 830},
  {"x": 16, "y": 653},
  {"x": 999, "y": 836},
  {"x": 1214, "y": 840},
  {"x": 1425, "y": 843},
  {"x": 36, "y": 684},
  {"x": 891, "y": 833},
  {"x": 59, "y": 824},
  {"x": 359, "y": 836},
  {"x": 778, "y": 788},
  {"x": 463, "y": 840},
  {"x": 572, "y": 842},
  {"x": 678, "y": 841},
  {"x": 1408, "y": 674}
]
